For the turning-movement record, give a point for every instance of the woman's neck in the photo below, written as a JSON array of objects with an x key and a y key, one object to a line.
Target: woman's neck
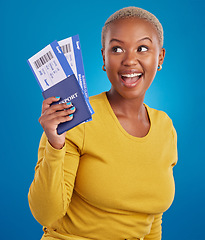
[{"x": 131, "y": 108}]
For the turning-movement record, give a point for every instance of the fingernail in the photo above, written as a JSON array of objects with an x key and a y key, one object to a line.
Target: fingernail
[
  {"x": 57, "y": 97},
  {"x": 68, "y": 103},
  {"x": 72, "y": 108},
  {"x": 71, "y": 115}
]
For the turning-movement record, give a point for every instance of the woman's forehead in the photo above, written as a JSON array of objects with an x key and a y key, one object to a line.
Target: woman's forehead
[{"x": 131, "y": 27}]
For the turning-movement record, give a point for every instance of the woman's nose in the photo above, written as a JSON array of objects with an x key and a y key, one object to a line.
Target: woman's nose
[{"x": 130, "y": 59}]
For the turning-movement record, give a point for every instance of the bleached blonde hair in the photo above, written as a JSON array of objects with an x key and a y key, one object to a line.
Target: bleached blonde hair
[{"x": 134, "y": 12}]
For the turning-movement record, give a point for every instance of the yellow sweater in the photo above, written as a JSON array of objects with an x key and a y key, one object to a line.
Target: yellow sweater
[{"x": 105, "y": 184}]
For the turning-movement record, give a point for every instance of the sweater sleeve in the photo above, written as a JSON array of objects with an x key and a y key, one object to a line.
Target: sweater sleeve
[
  {"x": 51, "y": 190},
  {"x": 156, "y": 229}
]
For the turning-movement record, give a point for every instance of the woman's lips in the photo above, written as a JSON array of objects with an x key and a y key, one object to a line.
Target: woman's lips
[{"x": 131, "y": 79}]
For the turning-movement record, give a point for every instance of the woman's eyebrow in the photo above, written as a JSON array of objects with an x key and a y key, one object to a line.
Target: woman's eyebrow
[
  {"x": 115, "y": 40},
  {"x": 145, "y": 38}
]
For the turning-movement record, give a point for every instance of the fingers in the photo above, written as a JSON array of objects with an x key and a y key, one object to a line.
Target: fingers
[
  {"x": 47, "y": 103},
  {"x": 58, "y": 114},
  {"x": 53, "y": 115},
  {"x": 58, "y": 107}
]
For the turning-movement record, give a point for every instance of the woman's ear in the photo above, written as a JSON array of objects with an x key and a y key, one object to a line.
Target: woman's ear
[
  {"x": 161, "y": 56},
  {"x": 103, "y": 54}
]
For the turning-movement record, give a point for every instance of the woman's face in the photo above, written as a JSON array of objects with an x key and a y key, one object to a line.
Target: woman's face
[{"x": 131, "y": 55}]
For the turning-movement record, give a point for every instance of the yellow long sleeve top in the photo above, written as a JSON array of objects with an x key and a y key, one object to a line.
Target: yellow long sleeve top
[{"x": 105, "y": 183}]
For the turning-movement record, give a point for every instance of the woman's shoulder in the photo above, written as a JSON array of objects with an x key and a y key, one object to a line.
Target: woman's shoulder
[
  {"x": 160, "y": 118},
  {"x": 98, "y": 102},
  {"x": 97, "y": 98},
  {"x": 158, "y": 114}
]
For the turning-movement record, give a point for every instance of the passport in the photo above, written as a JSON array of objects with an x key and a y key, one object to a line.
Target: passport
[{"x": 69, "y": 90}]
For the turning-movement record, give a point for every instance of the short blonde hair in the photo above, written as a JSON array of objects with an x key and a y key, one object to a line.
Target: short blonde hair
[{"x": 134, "y": 12}]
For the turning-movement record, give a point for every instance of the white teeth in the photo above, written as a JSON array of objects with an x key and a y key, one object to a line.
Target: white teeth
[{"x": 132, "y": 75}]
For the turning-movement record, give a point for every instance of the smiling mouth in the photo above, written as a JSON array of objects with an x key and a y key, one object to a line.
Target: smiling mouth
[{"x": 131, "y": 80}]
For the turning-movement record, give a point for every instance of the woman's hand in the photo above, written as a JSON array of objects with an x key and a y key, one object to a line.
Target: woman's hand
[{"x": 51, "y": 116}]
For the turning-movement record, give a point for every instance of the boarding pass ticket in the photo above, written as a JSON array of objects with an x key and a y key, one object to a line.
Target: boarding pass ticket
[
  {"x": 57, "y": 61},
  {"x": 72, "y": 51},
  {"x": 50, "y": 66}
]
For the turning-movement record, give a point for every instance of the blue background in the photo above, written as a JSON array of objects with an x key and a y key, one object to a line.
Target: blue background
[{"x": 28, "y": 26}]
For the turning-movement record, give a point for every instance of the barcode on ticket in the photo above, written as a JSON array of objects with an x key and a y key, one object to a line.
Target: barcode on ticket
[
  {"x": 43, "y": 60},
  {"x": 66, "y": 48}
]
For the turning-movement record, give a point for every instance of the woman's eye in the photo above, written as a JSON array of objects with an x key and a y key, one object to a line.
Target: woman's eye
[
  {"x": 117, "y": 49},
  {"x": 142, "y": 49}
]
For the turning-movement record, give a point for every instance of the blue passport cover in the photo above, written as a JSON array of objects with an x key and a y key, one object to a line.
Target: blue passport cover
[{"x": 69, "y": 90}]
